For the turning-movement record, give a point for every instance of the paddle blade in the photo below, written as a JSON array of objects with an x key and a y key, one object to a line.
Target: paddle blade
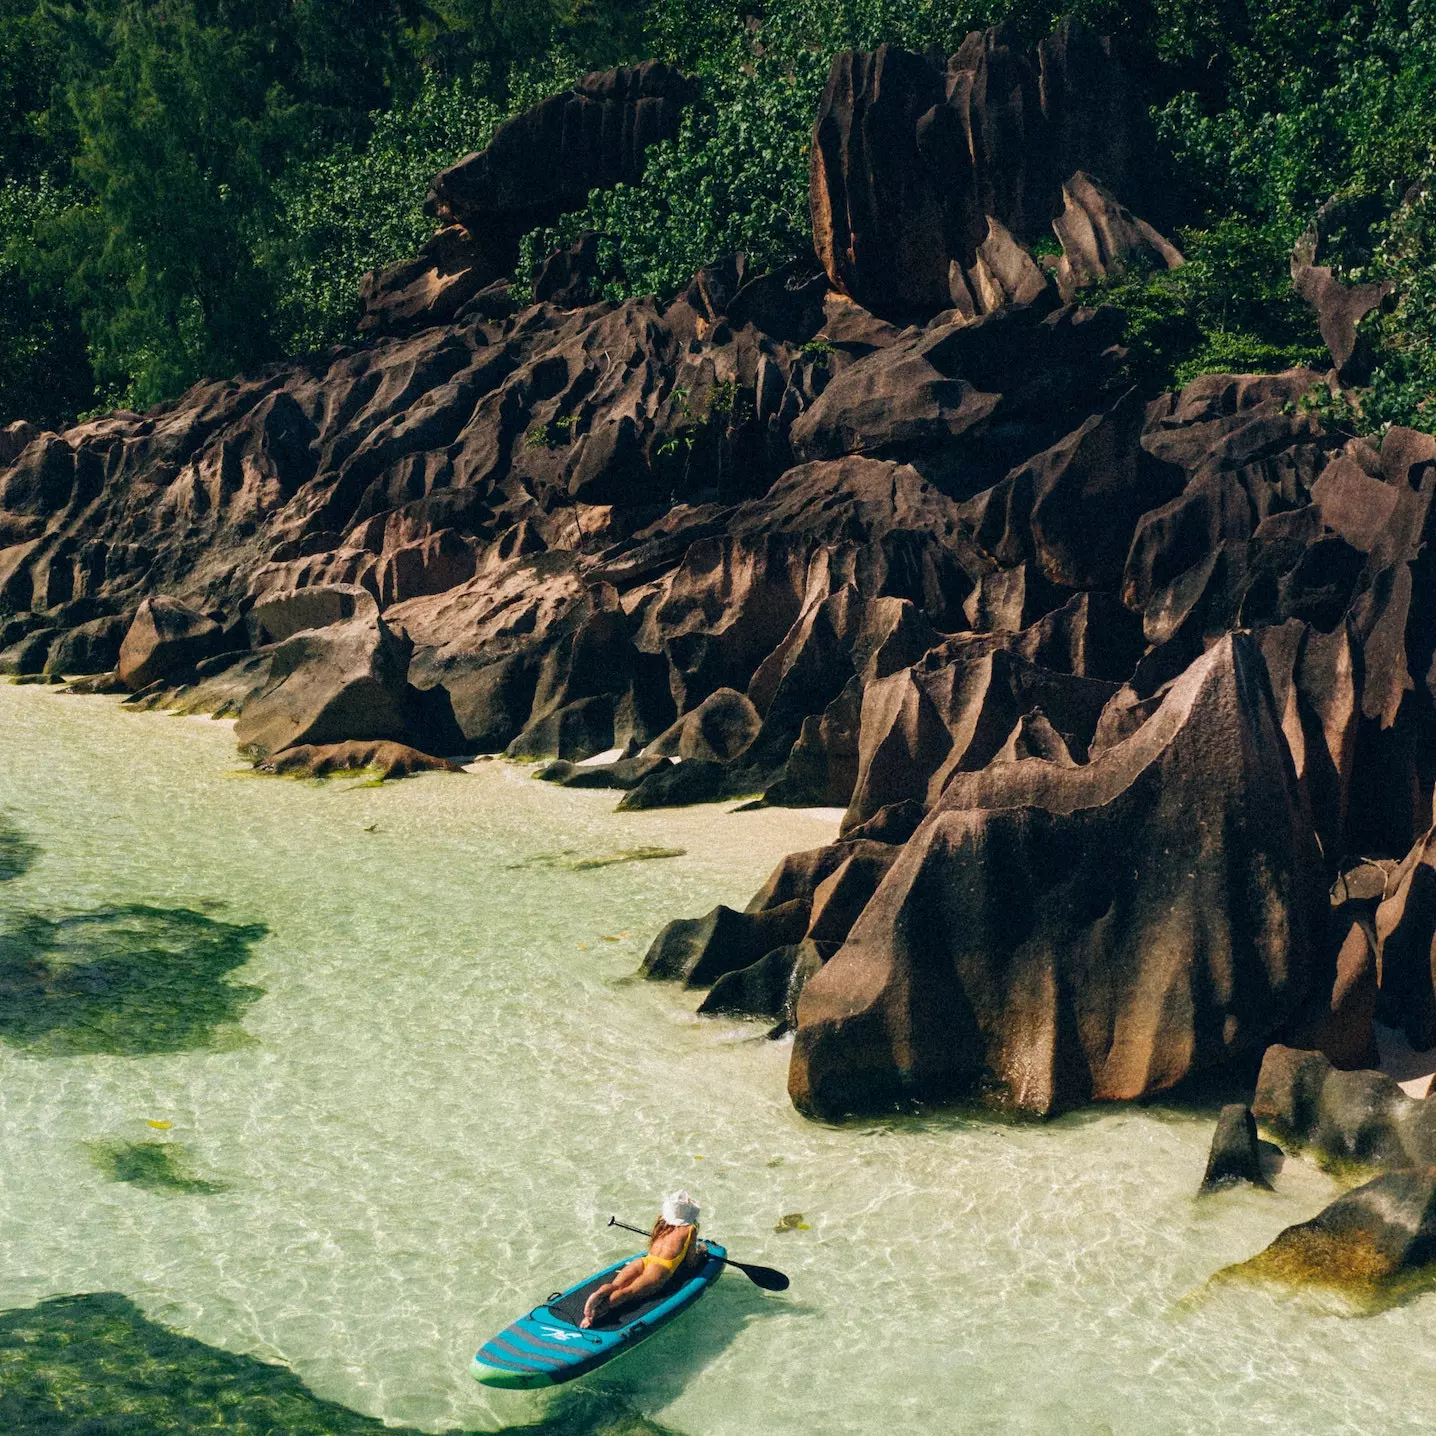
[{"x": 763, "y": 1276}]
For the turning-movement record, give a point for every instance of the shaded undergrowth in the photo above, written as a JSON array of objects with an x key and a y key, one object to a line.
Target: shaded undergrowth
[
  {"x": 97, "y": 1366},
  {"x": 129, "y": 980},
  {"x": 155, "y": 1166}
]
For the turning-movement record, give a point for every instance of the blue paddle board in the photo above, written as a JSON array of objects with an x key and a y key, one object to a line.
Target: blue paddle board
[{"x": 547, "y": 1346}]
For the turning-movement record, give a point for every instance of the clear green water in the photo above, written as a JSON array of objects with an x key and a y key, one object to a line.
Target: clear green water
[{"x": 445, "y": 1084}]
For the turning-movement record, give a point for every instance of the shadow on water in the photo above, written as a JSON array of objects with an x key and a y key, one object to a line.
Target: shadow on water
[
  {"x": 17, "y": 853},
  {"x": 659, "y": 1371},
  {"x": 152, "y": 1166},
  {"x": 129, "y": 980},
  {"x": 97, "y": 1365}
]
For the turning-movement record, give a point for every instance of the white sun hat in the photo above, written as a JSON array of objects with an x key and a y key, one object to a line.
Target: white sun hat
[{"x": 680, "y": 1210}]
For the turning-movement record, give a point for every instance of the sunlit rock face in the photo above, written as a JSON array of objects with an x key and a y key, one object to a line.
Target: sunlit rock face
[{"x": 1085, "y": 932}]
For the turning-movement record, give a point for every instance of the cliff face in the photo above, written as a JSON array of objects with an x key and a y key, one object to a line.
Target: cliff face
[{"x": 1111, "y": 685}]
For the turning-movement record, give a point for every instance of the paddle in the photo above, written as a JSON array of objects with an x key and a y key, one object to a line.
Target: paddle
[{"x": 763, "y": 1276}]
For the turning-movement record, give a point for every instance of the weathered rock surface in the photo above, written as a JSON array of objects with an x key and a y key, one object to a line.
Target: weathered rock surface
[
  {"x": 328, "y": 685},
  {"x": 1339, "y": 307},
  {"x": 166, "y": 637},
  {"x": 1236, "y": 1153},
  {"x": 1073, "y": 933},
  {"x": 388, "y": 760},
  {"x": 1342, "y": 1117},
  {"x": 926, "y": 177},
  {"x": 1111, "y": 686},
  {"x": 543, "y": 163},
  {"x": 1406, "y": 947},
  {"x": 1373, "y": 1244}
]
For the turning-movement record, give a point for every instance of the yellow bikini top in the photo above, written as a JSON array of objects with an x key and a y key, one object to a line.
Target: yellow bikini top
[{"x": 671, "y": 1264}]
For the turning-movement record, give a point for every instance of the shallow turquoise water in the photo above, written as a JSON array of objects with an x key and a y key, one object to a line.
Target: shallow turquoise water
[{"x": 447, "y": 1084}]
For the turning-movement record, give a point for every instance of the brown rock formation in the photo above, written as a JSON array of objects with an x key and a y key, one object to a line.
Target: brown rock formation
[
  {"x": 543, "y": 163},
  {"x": 388, "y": 760},
  {"x": 1357, "y": 1117},
  {"x": 1092, "y": 672},
  {"x": 166, "y": 637},
  {"x": 1078, "y": 933},
  {"x": 926, "y": 180}
]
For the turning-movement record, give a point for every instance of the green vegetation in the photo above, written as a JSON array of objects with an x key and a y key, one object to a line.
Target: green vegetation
[
  {"x": 189, "y": 187},
  {"x": 95, "y": 1364},
  {"x": 156, "y": 1166},
  {"x": 129, "y": 980}
]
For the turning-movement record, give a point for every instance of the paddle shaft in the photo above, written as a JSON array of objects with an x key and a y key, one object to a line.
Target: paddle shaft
[{"x": 764, "y": 1276}]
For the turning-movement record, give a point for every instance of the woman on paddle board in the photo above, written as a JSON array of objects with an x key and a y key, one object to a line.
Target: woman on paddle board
[{"x": 673, "y": 1246}]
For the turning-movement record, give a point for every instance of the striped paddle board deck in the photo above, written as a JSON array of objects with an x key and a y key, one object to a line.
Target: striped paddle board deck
[{"x": 547, "y": 1346}]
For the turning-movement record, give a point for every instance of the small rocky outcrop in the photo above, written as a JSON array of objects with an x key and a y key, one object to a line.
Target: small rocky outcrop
[
  {"x": 385, "y": 759},
  {"x": 543, "y": 163},
  {"x": 165, "y": 638},
  {"x": 449, "y": 270},
  {"x": 329, "y": 685},
  {"x": 1236, "y": 1152},
  {"x": 1374, "y": 1245},
  {"x": 1360, "y": 1118},
  {"x": 1339, "y": 307},
  {"x": 928, "y": 178}
]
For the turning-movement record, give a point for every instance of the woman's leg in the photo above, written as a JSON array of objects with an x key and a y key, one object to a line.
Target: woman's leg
[{"x": 611, "y": 1293}]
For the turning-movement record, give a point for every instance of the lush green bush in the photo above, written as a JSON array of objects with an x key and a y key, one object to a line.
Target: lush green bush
[{"x": 354, "y": 207}]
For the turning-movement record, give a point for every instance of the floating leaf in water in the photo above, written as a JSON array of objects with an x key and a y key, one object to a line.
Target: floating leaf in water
[
  {"x": 574, "y": 862},
  {"x": 17, "y": 852},
  {"x": 793, "y": 1222},
  {"x": 158, "y": 1124},
  {"x": 155, "y": 1166},
  {"x": 606, "y": 938},
  {"x": 127, "y": 980}
]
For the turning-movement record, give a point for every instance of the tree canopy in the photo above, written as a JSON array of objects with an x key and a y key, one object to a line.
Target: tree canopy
[{"x": 192, "y": 187}]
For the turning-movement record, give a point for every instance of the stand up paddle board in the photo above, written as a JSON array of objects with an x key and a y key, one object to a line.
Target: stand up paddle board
[{"x": 548, "y": 1346}]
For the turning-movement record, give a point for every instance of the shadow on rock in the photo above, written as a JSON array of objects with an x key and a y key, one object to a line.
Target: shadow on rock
[
  {"x": 129, "y": 981},
  {"x": 96, "y": 1364},
  {"x": 17, "y": 853},
  {"x": 155, "y": 1166}
]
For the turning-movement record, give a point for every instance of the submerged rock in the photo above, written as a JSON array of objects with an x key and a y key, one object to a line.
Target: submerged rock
[
  {"x": 154, "y": 1166},
  {"x": 96, "y": 1363},
  {"x": 128, "y": 981}
]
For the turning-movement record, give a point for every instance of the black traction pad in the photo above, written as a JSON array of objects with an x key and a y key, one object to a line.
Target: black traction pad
[{"x": 570, "y": 1307}]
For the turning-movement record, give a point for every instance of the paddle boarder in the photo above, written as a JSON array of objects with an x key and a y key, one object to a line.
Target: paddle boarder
[{"x": 673, "y": 1247}]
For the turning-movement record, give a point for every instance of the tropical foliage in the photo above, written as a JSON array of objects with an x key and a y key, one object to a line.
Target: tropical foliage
[{"x": 190, "y": 187}]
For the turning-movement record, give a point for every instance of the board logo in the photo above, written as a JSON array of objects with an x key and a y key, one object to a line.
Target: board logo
[{"x": 558, "y": 1335}]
